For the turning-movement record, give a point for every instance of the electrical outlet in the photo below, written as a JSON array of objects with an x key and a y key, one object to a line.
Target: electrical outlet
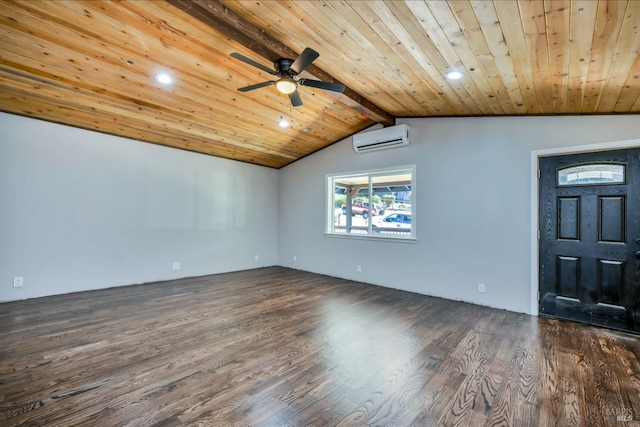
[
  {"x": 359, "y": 268},
  {"x": 176, "y": 266},
  {"x": 18, "y": 282},
  {"x": 295, "y": 258},
  {"x": 257, "y": 258},
  {"x": 481, "y": 288}
]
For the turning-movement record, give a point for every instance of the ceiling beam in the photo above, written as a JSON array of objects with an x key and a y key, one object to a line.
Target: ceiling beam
[{"x": 221, "y": 18}]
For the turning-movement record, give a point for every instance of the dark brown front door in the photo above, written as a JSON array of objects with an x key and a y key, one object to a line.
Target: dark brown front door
[{"x": 590, "y": 238}]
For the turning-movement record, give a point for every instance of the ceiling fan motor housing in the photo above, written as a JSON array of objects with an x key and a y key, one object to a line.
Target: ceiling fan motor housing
[{"x": 283, "y": 67}]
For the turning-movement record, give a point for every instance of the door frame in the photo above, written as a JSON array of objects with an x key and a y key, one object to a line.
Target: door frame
[{"x": 535, "y": 190}]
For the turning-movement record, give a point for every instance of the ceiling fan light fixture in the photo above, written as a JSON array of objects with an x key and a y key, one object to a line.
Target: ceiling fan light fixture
[{"x": 286, "y": 85}]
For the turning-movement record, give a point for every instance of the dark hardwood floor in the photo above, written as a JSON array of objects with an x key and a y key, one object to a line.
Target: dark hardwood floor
[{"x": 279, "y": 347}]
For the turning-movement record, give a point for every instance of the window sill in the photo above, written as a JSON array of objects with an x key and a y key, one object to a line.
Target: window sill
[{"x": 412, "y": 240}]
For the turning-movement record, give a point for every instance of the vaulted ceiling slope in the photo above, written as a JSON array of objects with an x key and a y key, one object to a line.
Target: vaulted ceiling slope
[{"x": 91, "y": 64}]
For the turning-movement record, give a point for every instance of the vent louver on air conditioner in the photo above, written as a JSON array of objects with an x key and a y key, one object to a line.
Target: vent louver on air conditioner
[{"x": 382, "y": 139}]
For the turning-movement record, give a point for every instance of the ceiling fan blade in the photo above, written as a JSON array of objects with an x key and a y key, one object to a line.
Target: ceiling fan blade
[
  {"x": 334, "y": 87},
  {"x": 250, "y": 61},
  {"x": 256, "y": 86},
  {"x": 305, "y": 59},
  {"x": 295, "y": 99}
]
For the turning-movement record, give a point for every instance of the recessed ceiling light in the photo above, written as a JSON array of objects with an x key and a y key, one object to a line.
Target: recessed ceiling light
[
  {"x": 164, "y": 78},
  {"x": 283, "y": 123},
  {"x": 454, "y": 75}
]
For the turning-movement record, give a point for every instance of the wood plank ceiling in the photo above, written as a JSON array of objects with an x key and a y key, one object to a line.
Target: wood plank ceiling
[{"x": 91, "y": 64}]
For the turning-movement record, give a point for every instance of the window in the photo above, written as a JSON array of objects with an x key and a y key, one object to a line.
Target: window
[
  {"x": 599, "y": 173},
  {"x": 372, "y": 204}
]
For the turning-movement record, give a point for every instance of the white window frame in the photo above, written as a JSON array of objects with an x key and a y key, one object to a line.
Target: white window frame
[{"x": 330, "y": 209}]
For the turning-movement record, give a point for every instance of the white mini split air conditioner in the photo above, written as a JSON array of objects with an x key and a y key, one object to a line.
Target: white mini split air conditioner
[{"x": 381, "y": 139}]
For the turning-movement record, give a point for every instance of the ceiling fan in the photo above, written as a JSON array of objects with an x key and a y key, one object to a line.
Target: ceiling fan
[{"x": 286, "y": 70}]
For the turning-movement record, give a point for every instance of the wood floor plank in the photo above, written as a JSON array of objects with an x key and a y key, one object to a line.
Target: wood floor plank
[{"x": 280, "y": 347}]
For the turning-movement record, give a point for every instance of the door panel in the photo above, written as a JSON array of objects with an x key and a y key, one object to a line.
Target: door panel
[
  {"x": 610, "y": 282},
  {"x": 589, "y": 237},
  {"x": 569, "y": 218},
  {"x": 611, "y": 221},
  {"x": 569, "y": 277}
]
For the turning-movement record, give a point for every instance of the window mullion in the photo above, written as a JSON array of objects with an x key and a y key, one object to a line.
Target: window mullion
[{"x": 370, "y": 219}]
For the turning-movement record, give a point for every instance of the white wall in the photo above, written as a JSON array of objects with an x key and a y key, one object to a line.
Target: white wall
[
  {"x": 473, "y": 196},
  {"x": 82, "y": 210}
]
